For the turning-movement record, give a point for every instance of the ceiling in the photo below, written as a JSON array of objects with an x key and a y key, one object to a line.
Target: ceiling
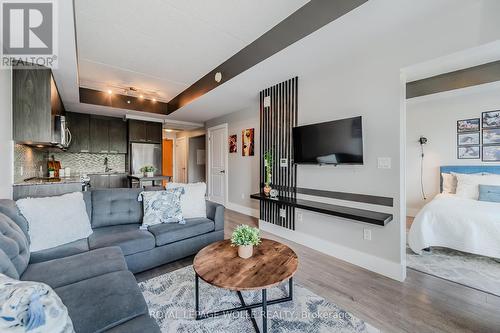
[{"x": 161, "y": 47}]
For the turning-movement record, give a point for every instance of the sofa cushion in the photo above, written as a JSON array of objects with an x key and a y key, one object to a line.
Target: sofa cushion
[
  {"x": 61, "y": 272},
  {"x": 9, "y": 208},
  {"x": 162, "y": 207},
  {"x": 172, "y": 232},
  {"x": 61, "y": 251},
  {"x": 140, "y": 324},
  {"x": 128, "y": 237},
  {"x": 103, "y": 302},
  {"x": 115, "y": 206},
  {"x": 14, "y": 248}
]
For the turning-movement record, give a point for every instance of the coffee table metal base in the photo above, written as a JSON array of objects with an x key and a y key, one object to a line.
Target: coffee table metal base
[{"x": 244, "y": 307}]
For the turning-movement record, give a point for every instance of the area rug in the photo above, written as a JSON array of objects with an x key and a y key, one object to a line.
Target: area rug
[
  {"x": 170, "y": 298},
  {"x": 467, "y": 269}
]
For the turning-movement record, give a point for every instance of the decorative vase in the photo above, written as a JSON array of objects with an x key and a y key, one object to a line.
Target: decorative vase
[
  {"x": 245, "y": 251},
  {"x": 149, "y": 174},
  {"x": 267, "y": 190}
]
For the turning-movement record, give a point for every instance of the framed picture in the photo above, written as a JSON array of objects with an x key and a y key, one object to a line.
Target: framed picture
[
  {"x": 468, "y": 152},
  {"x": 491, "y": 119},
  {"x": 468, "y": 125},
  {"x": 233, "y": 143},
  {"x": 491, "y": 153},
  {"x": 247, "y": 142},
  {"x": 491, "y": 136},
  {"x": 468, "y": 139}
]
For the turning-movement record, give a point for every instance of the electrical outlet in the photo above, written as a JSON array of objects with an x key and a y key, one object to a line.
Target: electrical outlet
[
  {"x": 384, "y": 162},
  {"x": 282, "y": 213},
  {"x": 283, "y": 162},
  {"x": 367, "y": 234},
  {"x": 243, "y": 195},
  {"x": 21, "y": 171},
  {"x": 299, "y": 216}
]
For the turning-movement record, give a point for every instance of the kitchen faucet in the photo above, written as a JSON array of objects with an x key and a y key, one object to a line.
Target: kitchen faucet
[{"x": 107, "y": 168}]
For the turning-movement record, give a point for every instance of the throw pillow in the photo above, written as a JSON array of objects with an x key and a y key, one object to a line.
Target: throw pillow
[
  {"x": 468, "y": 185},
  {"x": 489, "y": 193},
  {"x": 55, "y": 221},
  {"x": 193, "y": 201},
  {"x": 162, "y": 207},
  {"x": 31, "y": 307},
  {"x": 449, "y": 183}
]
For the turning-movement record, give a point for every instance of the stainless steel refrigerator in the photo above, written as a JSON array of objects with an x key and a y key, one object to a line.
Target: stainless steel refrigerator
[{"x": 143, "y": 154}]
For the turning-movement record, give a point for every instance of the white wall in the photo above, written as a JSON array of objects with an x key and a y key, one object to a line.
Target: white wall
[
  {"x": 436, "y": 118},
  {"x": 243, "y": 177},
  {"x": 6, "y": 143}
]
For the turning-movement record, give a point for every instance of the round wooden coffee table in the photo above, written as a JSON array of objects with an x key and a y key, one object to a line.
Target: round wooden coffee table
[{"x": 219, "y": 265}]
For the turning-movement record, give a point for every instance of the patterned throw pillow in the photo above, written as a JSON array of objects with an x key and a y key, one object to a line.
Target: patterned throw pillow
[
  {"x": 162, "y": 207},
  {"x": 27, "y": 306}
]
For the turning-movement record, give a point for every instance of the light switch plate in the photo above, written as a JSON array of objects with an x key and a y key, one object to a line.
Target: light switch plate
[
  {"x": 283, "y": 162},
  {"x": 282, "y": 213},
  {"x": 384, "y": 162},
  {"x": 367, "y": 234},
  {"x": 267, "y": 101}
]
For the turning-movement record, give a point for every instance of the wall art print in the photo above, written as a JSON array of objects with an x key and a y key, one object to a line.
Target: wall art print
[
  {"x": 468, "y": 125},
  {"x": 247, "y": 142},
  {"x": 233, "y": 143}
]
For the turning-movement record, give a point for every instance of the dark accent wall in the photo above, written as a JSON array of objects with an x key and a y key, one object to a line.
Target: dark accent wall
[{"x": 276, "y": 123}]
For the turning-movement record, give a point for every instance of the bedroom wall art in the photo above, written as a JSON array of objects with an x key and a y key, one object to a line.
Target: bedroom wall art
[
  {"x": 468, "y": 139},
  {"x": 247, "y": 142},
  {"x": 491, "y": 136},
  {"x": 233, "y": 143}
]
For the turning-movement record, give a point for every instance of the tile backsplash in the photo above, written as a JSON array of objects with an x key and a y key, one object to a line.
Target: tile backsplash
[{"x": 30, "y": 159}]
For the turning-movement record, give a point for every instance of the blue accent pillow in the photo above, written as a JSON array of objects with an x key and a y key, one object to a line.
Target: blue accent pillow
[
  {"x": 489, "y": 193},
  {"x": 162, "y": 207}
]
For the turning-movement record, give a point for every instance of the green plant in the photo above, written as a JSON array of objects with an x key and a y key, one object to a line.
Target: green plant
[
  {"x": 51, "y": 169},
  {"x": 245, "y": 235},
  {"x": 148, "y": 168},
  {"x": 268, "y": 163}
]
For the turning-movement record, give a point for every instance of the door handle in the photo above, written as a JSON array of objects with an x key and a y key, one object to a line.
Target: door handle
[{"x": 223, "y": 171}]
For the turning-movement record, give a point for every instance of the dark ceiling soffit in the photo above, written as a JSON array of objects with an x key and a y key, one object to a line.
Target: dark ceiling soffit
[
  {"x": 90, "y": 96},
  {"x": 463, "y": 78},
  {"x": 306, "y": 20}
]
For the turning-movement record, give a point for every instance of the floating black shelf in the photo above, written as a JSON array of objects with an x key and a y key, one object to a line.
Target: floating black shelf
[{"x": 361, "y": 215}]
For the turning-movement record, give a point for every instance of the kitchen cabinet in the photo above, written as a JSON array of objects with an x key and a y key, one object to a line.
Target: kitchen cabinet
[
  {"x": 118, "y": 180},
  {"x": 117, "y": 136},
  {"x": 98, "y": 181},
  {"x": 99, "y": 134},
  {"x": 79, "y": 125},
  {"x": 35, "y": 100},
  {"x": 105, "y": 180},
  {"x": 144, "y": 131}
]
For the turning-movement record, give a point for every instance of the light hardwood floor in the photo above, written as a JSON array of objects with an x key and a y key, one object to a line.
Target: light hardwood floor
[{"x": 420, "y": 304}]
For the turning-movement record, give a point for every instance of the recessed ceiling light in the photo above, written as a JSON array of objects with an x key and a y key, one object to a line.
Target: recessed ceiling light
[
  {"x": 128, "y": 102},
  {"x": 141, "y": 96},
  {"x": 110, "y": 91},
  {"x": 168, "y": 130},
  {"x": 154, "y": 99},
  {"x": 39, "y": 146},
  {"x": 218, "y": 77}
]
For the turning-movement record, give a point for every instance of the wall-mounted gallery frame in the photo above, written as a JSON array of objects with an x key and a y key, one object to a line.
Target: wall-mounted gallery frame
[
  {"x": 491, "y": 119},
  {"x": 468, "y": 125},
  {"x": 468, "y": 139},
  {"x": 491, "y": 153},
  {"x": 468, "y": 152}
]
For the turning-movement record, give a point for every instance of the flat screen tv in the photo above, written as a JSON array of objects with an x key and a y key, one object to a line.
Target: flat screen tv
[{"x": 333, "y": 142}]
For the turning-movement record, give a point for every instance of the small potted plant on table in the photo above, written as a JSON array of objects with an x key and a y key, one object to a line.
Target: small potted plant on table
[
  {"x": 148, "y": 170},
  {"x": 245, "y": 238}
]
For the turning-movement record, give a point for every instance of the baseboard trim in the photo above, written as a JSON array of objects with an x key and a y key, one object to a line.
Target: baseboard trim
[
  {"x": 378, "y": 265},
  {"x": 243, "y": 209}
]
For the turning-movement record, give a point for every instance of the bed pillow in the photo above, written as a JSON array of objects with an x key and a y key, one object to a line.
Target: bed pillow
[
  {"x": 489, "y": 193},
  {"x": 55, "y": 221},
  {"x": 31, "y": 307},
  {"x": 162, "y": 207},
  {"x": 193, "y": 201},
  {"x": 449, "y": 183},
  {"x": 468, "y": 185}
]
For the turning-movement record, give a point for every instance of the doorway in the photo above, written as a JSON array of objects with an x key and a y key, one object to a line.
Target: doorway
[
  {"x": 180, "y": 160},
  {"x": 217, "y": 164},
  {"x": 168, "y": 159}
]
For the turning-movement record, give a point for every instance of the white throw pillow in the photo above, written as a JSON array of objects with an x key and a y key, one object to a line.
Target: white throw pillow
[
  {"x": 55, "y": 221},
  {"x": 468, "y": 185},
  {"x": 449, "y": 183},
  {"x": 193, "y": 201},
  {"x": 31, "y": 307}
]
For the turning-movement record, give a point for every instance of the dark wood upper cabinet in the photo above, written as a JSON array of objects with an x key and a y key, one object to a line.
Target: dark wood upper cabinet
[
  {"x": 79, "y": 125},
  {"x": 117, "y": 136},
  {"x": 145, "y": 131},
  {"x": 34, "y": 100},
  {"x": 153, "y": 132},
  {"x": 99, "y": 134}
]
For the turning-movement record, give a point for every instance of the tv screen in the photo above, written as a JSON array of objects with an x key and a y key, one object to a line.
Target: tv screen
[{"x": 333, "y": 142}]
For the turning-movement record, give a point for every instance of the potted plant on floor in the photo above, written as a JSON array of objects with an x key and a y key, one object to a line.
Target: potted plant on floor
[
  {"x": 268, "y": 163},
  {"x": 245, "y": 238},
  {"x": 148, "y": 170}
]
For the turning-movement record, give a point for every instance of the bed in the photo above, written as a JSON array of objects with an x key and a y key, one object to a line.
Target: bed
[{"x": 458, "y": 223}]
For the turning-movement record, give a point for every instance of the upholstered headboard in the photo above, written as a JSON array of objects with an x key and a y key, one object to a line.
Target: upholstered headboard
[{"x": 467, "y": 169}]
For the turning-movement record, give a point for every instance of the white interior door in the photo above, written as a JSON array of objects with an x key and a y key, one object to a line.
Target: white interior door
[
  {"x": 180, "y": 160},
  {"x": 217, "y": 164}
]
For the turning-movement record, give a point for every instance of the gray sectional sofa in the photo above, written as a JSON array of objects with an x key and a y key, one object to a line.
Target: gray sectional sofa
[{"x": 93, "y": 277}]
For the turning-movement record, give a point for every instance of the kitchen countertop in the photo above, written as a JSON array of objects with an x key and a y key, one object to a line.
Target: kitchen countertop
[{"x": 47, "y": 181}]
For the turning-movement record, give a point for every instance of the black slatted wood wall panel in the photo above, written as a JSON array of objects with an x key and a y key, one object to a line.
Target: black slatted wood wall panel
[{"x": 276, "y": 123}]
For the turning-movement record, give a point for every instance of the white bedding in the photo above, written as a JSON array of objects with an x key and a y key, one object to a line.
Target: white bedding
[{"x": 458, "y": 223}]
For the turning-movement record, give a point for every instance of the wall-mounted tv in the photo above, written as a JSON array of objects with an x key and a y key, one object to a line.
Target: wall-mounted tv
[{"x": 333, "y": 142}]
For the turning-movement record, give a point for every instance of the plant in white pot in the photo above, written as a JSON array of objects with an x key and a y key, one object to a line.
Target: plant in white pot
[
  {"x": 245, "y": 238},
  {"x": 148, "y": 170}
]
